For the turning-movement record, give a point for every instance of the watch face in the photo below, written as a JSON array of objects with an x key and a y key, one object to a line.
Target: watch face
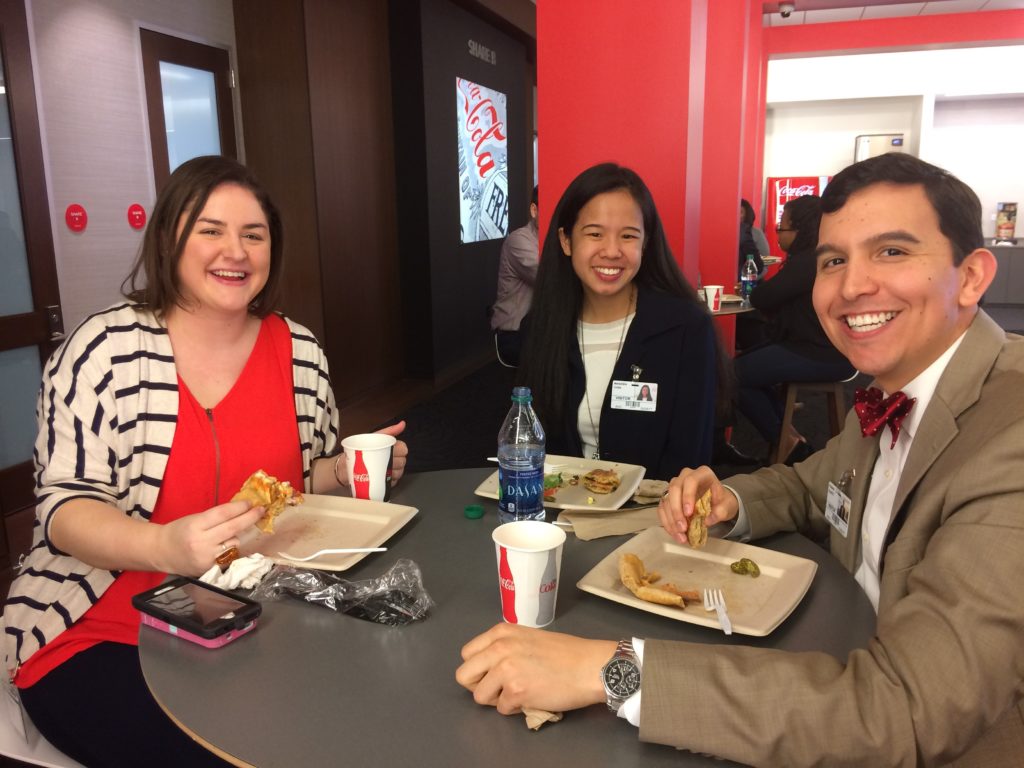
[{"x": 622, "y": 677}]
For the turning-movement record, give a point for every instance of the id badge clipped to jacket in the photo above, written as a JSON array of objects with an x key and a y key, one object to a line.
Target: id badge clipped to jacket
[{"x": 838, "y": 503}]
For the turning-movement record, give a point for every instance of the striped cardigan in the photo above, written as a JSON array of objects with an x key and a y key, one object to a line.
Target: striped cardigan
[{"x": 107, "y": 411}]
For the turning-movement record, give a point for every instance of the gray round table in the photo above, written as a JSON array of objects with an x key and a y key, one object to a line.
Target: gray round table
[{"x": 310, "y": 687}]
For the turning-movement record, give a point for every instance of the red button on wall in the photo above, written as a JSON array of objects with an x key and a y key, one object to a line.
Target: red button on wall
[
  {"x": 76, "y": 218},
  {"x": 136, "y": 216}
]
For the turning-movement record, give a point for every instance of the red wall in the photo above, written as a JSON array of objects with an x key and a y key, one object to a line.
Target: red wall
[
  {"x": 613, "y": 85},
  {"x": 726, "y": 133}
]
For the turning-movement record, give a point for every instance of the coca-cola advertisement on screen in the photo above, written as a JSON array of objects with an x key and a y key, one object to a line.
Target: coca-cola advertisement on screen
[
  {"x": 782, "y": 189},
  {"x": 483, "y": 162}
]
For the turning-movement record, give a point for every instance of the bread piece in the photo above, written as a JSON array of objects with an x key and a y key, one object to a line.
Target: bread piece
[
  {"x": 697, "y": 533},
  {"x": 263, "y": 490},
  {"x": 641, "y": 583},
  {"x": 601, "y": 480}
]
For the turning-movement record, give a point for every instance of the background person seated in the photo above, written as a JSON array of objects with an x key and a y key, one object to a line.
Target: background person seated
[
  {"x": 517, "y": 272},
  {"x": 797, "y": 348},
  {"x": 749, "y": 245}
]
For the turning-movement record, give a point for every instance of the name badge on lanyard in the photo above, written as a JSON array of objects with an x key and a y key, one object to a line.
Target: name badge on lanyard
[
  {"x": 634, "y": 395},
  {"x": 838, "y": 503}
]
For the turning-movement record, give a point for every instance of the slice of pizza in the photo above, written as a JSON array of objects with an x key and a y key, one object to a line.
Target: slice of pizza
[
  {"x": 601, "y": 480},
  {"x": 263, "y": 490}
]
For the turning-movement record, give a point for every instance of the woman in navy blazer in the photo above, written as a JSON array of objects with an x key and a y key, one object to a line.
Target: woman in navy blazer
[{"x": 612, "y": 313}]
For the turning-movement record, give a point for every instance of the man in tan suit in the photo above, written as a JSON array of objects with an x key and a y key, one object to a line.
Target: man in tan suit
[{"x": 935, "y": 534}]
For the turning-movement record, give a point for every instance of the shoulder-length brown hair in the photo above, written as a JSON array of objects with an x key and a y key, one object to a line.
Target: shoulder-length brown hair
[{"x": 185, "y": 194}]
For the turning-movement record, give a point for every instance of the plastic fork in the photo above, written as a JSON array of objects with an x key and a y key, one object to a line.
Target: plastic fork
[
  {"x": 350, "y": 550},
  {"x": 715, "y": 601}
]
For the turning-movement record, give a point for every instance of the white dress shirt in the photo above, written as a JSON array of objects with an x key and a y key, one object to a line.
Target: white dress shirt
[{"x": 885, "y": 476}]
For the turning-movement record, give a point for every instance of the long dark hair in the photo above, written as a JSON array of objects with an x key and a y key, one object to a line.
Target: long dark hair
[
  {"x": 748, "y": 212},
  {"x": 558, "y": 293},
  {"x": 186, "y": 192}
]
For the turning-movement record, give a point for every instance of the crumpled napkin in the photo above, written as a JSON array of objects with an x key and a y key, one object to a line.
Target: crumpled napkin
[
  {"x": 592, "y": 525},
  {"x": 535, "y": 718},
  {"x": 243, "y": 573}
]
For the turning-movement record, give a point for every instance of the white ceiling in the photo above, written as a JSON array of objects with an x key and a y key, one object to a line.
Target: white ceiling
[{"x": 821, "y": 11}]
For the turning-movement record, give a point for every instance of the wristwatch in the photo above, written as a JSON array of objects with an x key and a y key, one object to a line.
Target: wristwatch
[{"x": 621, "y": 675}]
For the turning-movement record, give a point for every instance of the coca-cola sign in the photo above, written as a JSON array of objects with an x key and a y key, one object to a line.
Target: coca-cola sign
[
  {"x": 483, "y": 161},
  {"x": 785, "y": 189},
  {"x": 780, "y": 190}
]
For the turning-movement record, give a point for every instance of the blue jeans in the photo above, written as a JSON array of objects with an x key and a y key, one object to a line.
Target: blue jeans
[{"x": 761, "y": 370}]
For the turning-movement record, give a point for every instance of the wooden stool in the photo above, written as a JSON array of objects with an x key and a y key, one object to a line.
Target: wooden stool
[{"x": 836, "y": 407}]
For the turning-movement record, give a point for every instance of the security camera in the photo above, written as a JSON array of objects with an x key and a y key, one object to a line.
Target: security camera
[{"x": 785, "y": 9}]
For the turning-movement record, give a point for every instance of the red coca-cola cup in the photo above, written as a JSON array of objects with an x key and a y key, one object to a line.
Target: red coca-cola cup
[
  {"x": 368, "y": 458},
  {"x": 529, "y": 554}
]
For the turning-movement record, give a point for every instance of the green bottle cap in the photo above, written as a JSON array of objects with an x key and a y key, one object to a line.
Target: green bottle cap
[{"x": 473, "y": 511}]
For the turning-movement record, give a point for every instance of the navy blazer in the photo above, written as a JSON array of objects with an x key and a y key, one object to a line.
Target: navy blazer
[{"x": 673, "y": 342}]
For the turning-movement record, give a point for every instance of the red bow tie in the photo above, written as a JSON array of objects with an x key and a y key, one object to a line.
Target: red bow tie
[{"x": 874, "y": 412}]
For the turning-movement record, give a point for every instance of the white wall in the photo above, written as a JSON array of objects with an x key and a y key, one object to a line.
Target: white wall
[
  {"x": 95, "y": 134},
  {"x": 816, "y": 138},
  {"x": 982, "y": 142},
  {"x": 946, "y": 72},
  {"x": 962, "y": 109}
]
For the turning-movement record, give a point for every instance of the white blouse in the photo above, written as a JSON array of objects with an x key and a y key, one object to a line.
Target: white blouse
[{"x": 600, "y": 346}]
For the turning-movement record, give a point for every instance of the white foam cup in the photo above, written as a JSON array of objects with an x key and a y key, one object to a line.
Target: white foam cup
[
  {"x": 713, "y": 296},
  {"x": 529, "y": 554},
  {"x": 368, "y": 458}
]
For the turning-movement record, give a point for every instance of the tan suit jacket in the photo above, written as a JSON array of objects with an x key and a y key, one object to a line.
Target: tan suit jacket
[{"x": 943, "y": 678}]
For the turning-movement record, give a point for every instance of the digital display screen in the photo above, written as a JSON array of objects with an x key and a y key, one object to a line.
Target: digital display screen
[{"x": 197, "y": 604}]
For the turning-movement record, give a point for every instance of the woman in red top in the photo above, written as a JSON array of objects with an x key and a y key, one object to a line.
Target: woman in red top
[{"x": 212, "y": 263}]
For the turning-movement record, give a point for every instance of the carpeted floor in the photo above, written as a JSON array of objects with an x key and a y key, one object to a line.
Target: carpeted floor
[{"x": 458, "y": 427}]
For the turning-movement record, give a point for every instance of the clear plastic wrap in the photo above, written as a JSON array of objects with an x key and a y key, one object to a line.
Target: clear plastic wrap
[{"x": 397, "y": 597}]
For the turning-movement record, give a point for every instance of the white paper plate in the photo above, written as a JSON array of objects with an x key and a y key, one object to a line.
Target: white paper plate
[
  {"x": 323, "y": 522},
  {"x": 577, "y": 497},
  {"x": 756, "y": 606}
]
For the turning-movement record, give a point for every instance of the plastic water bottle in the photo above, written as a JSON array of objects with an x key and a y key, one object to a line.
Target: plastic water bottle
[
  {"x": 748, "y": 279},
  {"x": 521, "y": 461}
]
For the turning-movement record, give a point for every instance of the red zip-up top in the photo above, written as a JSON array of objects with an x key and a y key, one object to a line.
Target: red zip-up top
[{"x": 214, "y": 451}]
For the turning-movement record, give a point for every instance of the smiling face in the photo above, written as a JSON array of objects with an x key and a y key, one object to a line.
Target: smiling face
[
  {"x": 226, "y": 259},
  {"x": 606, "y": 247},
  {"x": 887, "y": 292}
]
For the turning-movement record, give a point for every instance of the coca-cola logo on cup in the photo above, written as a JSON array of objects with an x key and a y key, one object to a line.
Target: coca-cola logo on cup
[
  {"x": 362, "y": 477},
  {"x": 549, "y": 587},
  {"x": 508, "y": 584}
]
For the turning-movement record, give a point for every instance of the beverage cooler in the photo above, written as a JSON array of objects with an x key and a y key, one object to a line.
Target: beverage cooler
[{"x": 780, "y": 190}]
